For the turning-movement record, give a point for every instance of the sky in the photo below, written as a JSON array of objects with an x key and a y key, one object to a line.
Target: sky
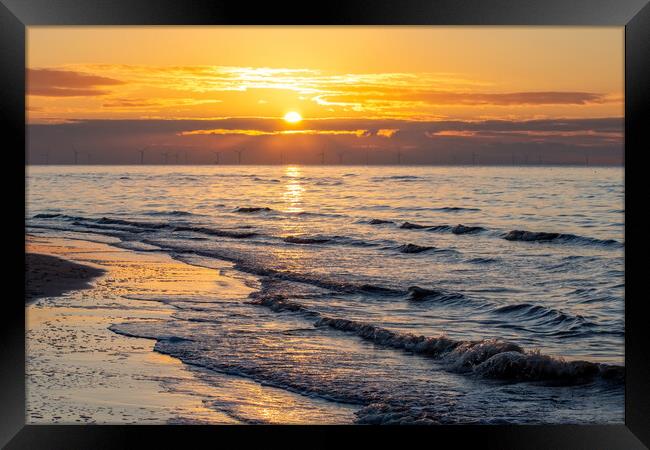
[{"x": 419, "y": 95}]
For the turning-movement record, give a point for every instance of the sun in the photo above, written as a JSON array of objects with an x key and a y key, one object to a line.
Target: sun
[{"x": 292, "y": 117}]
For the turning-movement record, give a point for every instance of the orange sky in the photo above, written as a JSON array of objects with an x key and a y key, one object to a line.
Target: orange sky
[
  {"x": 420, "y": 72},
  {"x": 412, "y": 74}
]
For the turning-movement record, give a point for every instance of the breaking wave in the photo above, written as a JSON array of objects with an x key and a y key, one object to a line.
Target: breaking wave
[{"x": 489, "y": 358}]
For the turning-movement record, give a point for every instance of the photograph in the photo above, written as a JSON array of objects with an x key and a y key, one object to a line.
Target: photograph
[{"x": 325, "y": 225}]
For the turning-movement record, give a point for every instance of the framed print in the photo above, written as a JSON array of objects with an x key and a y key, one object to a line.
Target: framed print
[{"x": 375, "y": 219}]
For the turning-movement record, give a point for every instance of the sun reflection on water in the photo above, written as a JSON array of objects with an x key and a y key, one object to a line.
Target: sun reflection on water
[{"x": 293, "y": 190}]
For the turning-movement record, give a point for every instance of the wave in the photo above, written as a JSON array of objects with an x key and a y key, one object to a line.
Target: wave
[
  {"x": 380, "y": 222},
  {"x": 463, "y": 229},
  {"x": 175, "y": 213},
  {"x": 328, "y": 240},
  {"x": 542, "y": 236},
  {"x": 311, "y": 213},
  {"x": 416, "y": 226},
  {"x": 253, "y": 209},
  {"x": 217, "y": 232},
  {"x": 264, "y": 209},
  {"x": 380, "y": 403},
  {"x": 550, "y": 319},
  {"x": 47, "y": 216},
  {"x": 115, "y": 227},
  {"x": 419, "y": 294},
  {"x": 547, "y": 320},
  {"x": 266, "y": 180},
  {"x": 279, "y": 303},
  {"x": 489, "y": 358},
  {"x": 159, "y": 337},
  {"x": 520, "y": 366},
  {"x": 481, "y": 260},
  {"x": 305, "y": 240},
  {"x": 460, "y": 229},
  {"x": 254, "y": 268},
  {"x": 132, "y": 223},
  {"x": 398, "y": 178},
  {"x": 457, "y": 229},
  {"x": 514, "y": 235},
  {"x": 413, "y": 248},
  {"x": 527, "y": 311},
  {"x": 455, "y": 209},
  {"x": 132, "y": 226}
]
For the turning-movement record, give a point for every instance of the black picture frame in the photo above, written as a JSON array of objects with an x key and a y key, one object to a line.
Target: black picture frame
[{"x": 16, "y": 15}]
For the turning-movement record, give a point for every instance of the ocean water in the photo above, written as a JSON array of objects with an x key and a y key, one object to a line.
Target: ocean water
[{"x": 417, "y": 294}]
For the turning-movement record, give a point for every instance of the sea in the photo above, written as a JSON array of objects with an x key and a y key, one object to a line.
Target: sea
[{"x": 417, "y": 294}]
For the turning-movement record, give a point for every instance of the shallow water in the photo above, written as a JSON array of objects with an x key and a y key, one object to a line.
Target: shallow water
[{"x": 367, "y": 291}]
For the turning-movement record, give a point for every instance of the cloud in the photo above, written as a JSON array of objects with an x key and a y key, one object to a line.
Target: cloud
[
  {"x": 398, "y": 130},
  {"x": 401, "y": 96},
  {"x": 387, "y": 132},
  {"x": 231, "y": 131},
  {"x": 247, "y": 90},
  {"x": 66, "y": 83},
  {"x": 128, "y": 103},
  {"x": 441, "y": 141},
  {"x": 377, "y": 127}
]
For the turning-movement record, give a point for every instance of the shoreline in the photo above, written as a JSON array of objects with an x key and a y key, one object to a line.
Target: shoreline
[
  {"x": 80, "y": 371},
  {"x": 77, "y": 370}
]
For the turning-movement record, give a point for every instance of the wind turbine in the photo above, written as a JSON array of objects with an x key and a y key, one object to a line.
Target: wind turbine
[
  {"x": 165, "y": 155},
  {"x": 322, "y": 157},
  {"x": 47, "y": 157},
  {"x": 76, "y": 154},
  {"x": 239, "y": 152},
  {"x": 142, "y": 153},
  {"x": 340, "y": 155},
  {"x": 176, "y": 158},
  {"x": 399, "y": 156},
  {"x": 218, "y": 155}
]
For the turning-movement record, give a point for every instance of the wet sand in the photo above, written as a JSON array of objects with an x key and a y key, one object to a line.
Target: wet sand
[
  {"x": 79, "y": 371},
  {"x": 50, "y": 276}
]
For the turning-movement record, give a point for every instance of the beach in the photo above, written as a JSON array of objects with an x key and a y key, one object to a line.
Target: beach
[
  {"x": 49, "y": 276},
  {"x": 79, "y": 371}
]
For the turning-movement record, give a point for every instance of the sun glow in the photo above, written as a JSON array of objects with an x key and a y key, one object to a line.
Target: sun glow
[{"x": 292, "y": 117}]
